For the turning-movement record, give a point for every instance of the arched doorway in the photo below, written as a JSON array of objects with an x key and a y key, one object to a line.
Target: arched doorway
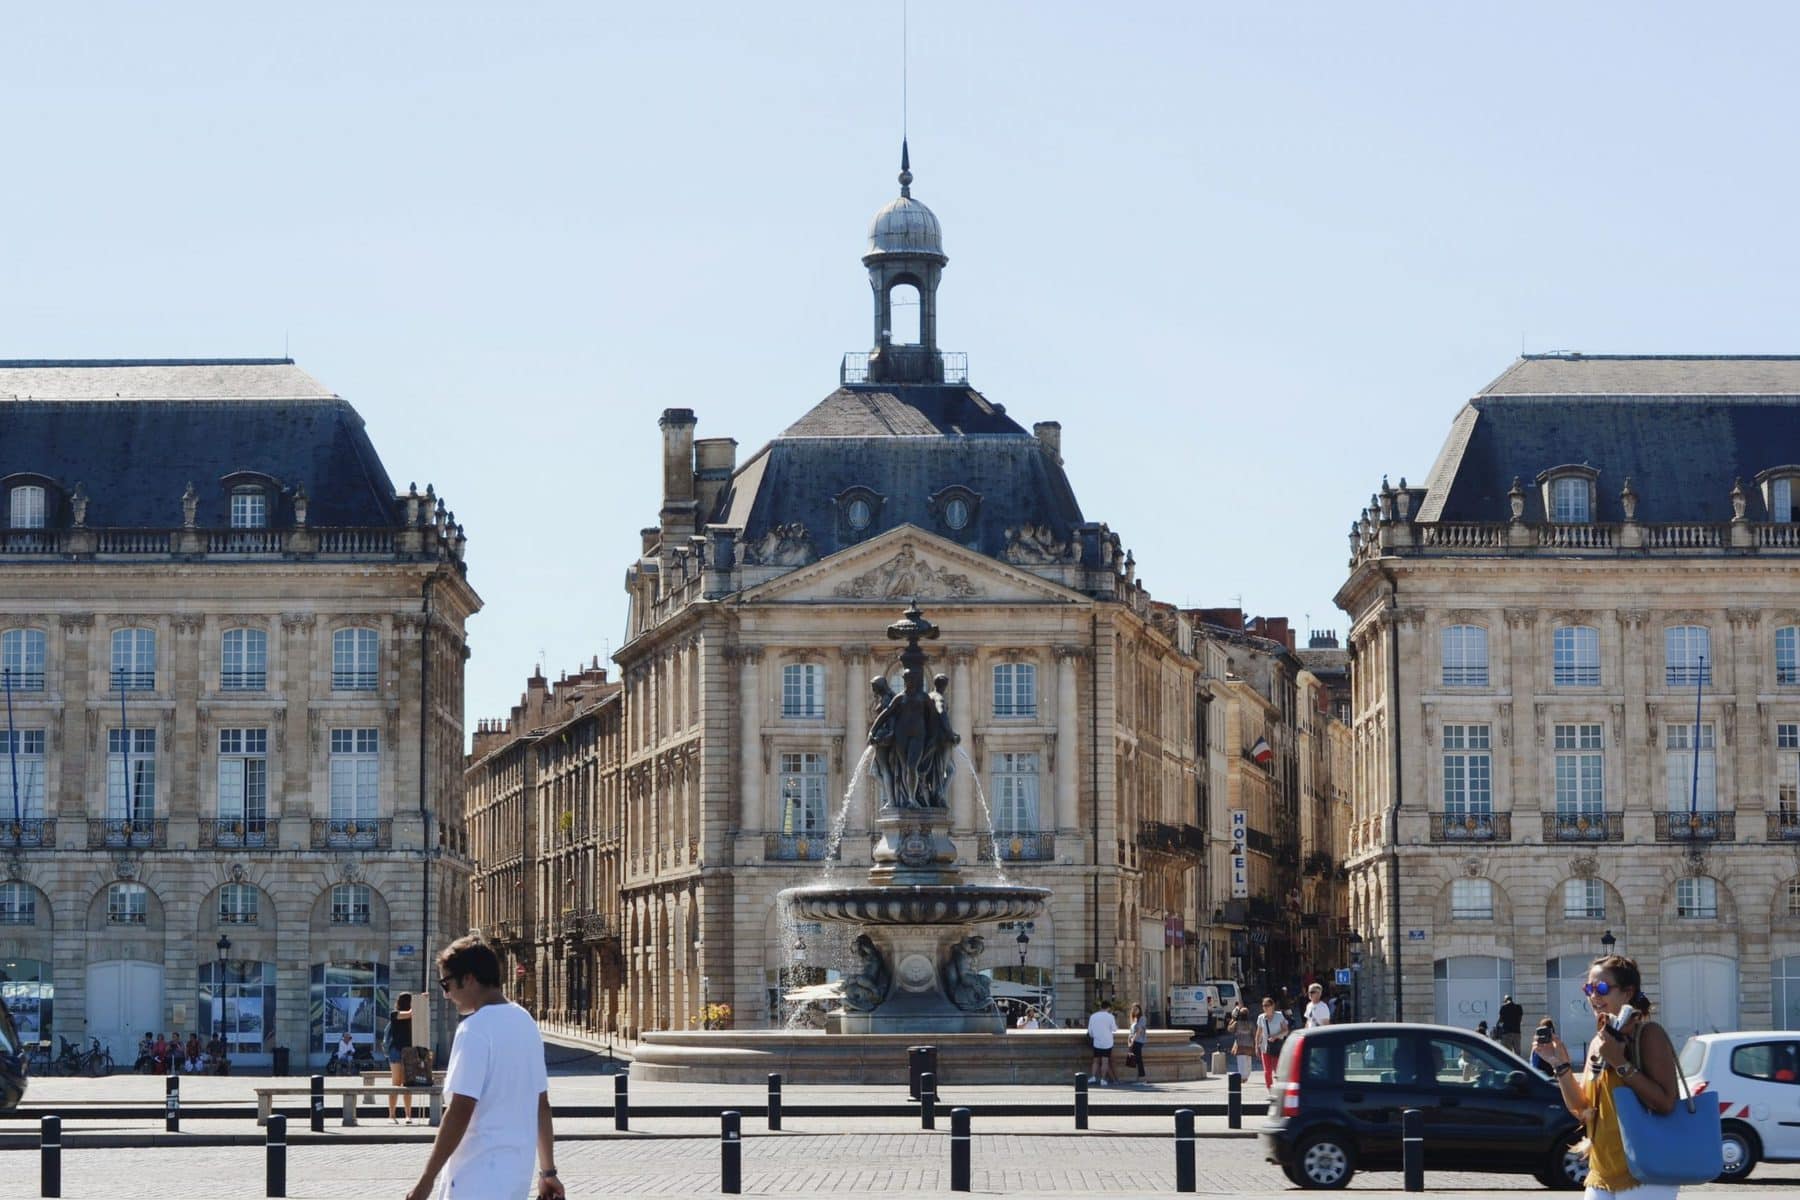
[
  {"x": 1563, "y": 981},
  {"x": 124, "y": 1000},
  {"x": 1469, "y": 988},
  {"x": 1699, "y": 994}
]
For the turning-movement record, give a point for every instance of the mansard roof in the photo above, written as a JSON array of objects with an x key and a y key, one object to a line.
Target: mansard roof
[
  {"x": 1682, "y": 428},
  {"x": 135, "y": 433}
]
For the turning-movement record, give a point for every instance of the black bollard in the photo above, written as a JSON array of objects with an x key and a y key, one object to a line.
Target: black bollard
[
  {"x": 277, "y": 1171},
  {"x": 1234, "y": 1101},
  {"x": 172, "y": 1104},
  {"x": 928, "y": 1100},
  {"x": 50, "y": 1146},
  {"x": 1081, "y": 1089},
  {"x": 731, "y": 1154},
  {"x": 622, "y": 1102},
  {"x": 318, "y": 1104},
  {"x": 1412, "y": 1149},
  {"x": 959, "y": 1149},
  {"x": 1184, "y": 1149},
  {"x": 774, "y": 1102}
]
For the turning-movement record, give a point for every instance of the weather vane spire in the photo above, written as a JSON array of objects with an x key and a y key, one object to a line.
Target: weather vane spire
[{"x": 905, "y": 169}]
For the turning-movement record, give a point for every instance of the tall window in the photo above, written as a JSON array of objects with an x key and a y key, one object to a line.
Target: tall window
[
  {"x": 244, "y": 777},
  {"x": 21, "y": 774},
  {"x": 1580, "y": 771},
  {"x": 22, "y": 657},
  {"x": 1781, "y": 499},
  {"x": 1569, "y": 501},
  {"x": 237, "y": 904},
  {"x": 802, "y": 690},
  {"x": 1787, "y": 655},
  {"x": 133, "y": 659},
  {"x": 244, "y": 660},
  {"x": 141, "y": 804},
  {"x": 127, "y": 904},
  {"x": 249, "y": 508},
  {"x": 1472, "y": 900},
  {"x": 1687, "y": 655},
  {"x": 1584, "y": 900},
  {"x": 350, "y": 904},
  {"x": 1787, "y": 774},
  {"x": 1468, "y": 770},
  {"x": 1016, "y": 793},
  {"x": 1465, "y": 656},
  {"x": 355, "y": 774},
  {"x": 803, "y": 794},
  {"x": 18, "y": 904},
  {"x": 28, "y": 507},
  {"x": 1679, "y": 769},
  {"x": 1576, "y": 656},
  {"x": 1697, "y": 898},
  {"x": 354, "y": 655},
  {"x": 1015, "y": 690}
]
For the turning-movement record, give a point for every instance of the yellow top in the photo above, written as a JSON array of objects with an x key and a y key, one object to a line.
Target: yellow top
[{"x": 1606, "y": 1156}]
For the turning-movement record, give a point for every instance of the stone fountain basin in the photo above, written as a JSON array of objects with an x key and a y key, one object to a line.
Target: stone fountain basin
[{"x": 917, "y": 904}]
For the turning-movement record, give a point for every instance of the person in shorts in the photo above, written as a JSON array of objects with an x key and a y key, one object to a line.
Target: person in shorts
[{"x": 1101, "y": 1028}]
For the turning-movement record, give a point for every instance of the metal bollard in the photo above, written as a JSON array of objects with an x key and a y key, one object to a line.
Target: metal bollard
[
  {"x": 1184, "y": 1149},
  {"x": 172, "y": 1104},
  {"x": 774, "y": 1102},
  {"x": 1081, "y": 1097},
  {"x": 318, "y": 1104},
  {"x": 959, "y": 1149},
  {"x": 622, "y": 1102},
  {"x": 50, "y": 1148},
  {"x": 1234, "y": 1101},
  {"x": 277, "y": 1170},
  {"x": 731, "y": 1154},
  {"x": 928, "y": 1100},
  {"x": 1412, "y": 1149}
]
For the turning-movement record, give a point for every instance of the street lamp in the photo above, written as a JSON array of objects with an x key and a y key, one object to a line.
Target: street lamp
[
  {"x": 1356, "y": 944},
  {"x": 1024, "y": 940},
  {"x": 224, "y": 949},
  {"x": 1609, "y": 941}
]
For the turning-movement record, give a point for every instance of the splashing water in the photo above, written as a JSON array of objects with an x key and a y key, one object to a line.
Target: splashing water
[
  {"x": 987, "y": 815},
  {"x": 835, "y": 839}
]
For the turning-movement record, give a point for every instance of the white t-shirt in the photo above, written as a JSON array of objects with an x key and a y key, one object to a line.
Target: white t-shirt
[
  {"x": 497, "y": 1060},
  {"x": 1101, "y": 1028},
  {"x": 1318, "y": 1013}
]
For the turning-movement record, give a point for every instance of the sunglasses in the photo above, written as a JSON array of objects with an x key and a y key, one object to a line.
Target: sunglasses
[
  {"x": 1596, "y": 989},
  {"x": 449, "y": 983}
]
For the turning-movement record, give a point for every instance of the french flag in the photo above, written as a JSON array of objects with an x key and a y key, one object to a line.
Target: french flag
[{"x": 1262, "y": 753}]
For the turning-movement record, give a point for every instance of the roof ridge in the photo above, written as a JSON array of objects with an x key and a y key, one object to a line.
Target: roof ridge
[{"x": 42, "y": 363}]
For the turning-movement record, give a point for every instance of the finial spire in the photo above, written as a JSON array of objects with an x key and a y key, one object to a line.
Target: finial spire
[{"x": 905, "y": 170}]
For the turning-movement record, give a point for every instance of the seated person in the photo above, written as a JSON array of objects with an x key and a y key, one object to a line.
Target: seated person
[
  {"x": 345, "y": 1051},
  {"x": 146, "y": 1055}
]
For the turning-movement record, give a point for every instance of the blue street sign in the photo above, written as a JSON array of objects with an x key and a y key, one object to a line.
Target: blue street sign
[
  {"x": 404, "y": 951},
  {"x": 1342, "y": 976}
]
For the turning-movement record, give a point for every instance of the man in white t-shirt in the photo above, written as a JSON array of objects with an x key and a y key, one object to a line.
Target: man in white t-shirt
[
  {"x": 1101, "y": 1027},
  {"x": 1317, "y": 1011},
  {"x": 498, "y": 1091}
]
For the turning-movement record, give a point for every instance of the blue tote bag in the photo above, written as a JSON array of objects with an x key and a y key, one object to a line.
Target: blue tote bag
[{"x": 1683, "y": 1147}]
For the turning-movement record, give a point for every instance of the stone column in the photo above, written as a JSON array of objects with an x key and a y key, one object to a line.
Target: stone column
[
  {"x": 962, "y": 719},
  {"x": 856, "y": 733},
  {"x": 750, "y": 815},
  {"x": 1067, "y": 726}
]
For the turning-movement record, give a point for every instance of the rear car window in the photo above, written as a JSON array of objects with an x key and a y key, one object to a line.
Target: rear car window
[{"x": 1772, "y": 1062}]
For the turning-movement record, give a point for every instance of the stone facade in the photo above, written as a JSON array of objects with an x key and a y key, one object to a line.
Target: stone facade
[{"x": 277, "y": 679}]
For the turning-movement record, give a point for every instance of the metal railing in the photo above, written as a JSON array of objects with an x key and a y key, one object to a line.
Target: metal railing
[
  {"x": 221, "y": 832},
  {"x": 244, "y": 681},
  {"x": 366, "y": 832},
  {"x": 1186, "y": 841},
  {"x": 1696, "y": 827},
  {"x": 1784, "y": 825},
  {"x": 354, "y": 681},
  {"x": 106, "y": 832},
  {"x": 1471, "y": 827},
  {"x": 855, "y": 367},
  {"x": 1016, "y": 846},
  {"x": 1584, "y": 827},
  {"x": 134, "y": 681},
  {"x": 798, "y": 847},
  {"x": 29, "y": 831},
  {"x": 1465, "y": 676}
]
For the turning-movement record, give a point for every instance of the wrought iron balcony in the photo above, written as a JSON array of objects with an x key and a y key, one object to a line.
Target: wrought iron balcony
[
  {"x": 1784, "y": 825},
  {"x": 1317, "y": 863},
  {"x": 1696, "y": 827},
  {"x": 108, "y": 832},
  {"x": 1017, "y": 846},
  {"x": 221, "y": 832},
  {"x": 22, "y": 681},
  {"x": 798, "y": 847},
  {"x": 28, "y": 831},
  {"x": 245, "y": 680},
  {"x": 905, "y": 364},
  {"x": 1184, "y": 841},
  {"x": 366, "y": 833},
  {"x": 596, "y": 927},
  {"x": 1471, "y": 827},
  {"x": 1584, "y": 827},
  {"x": 353, "y": 680}
]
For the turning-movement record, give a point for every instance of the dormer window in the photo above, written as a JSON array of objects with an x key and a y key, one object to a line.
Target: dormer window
[
  {"x": 955, "y": 508},
  {"x": 1777, "y": 486},
  {"x": 1568, "y": 493},
  {"x": 249, "y": 508},
  {"x": 858, "y": 510},
  {"x": 28, "y": 507}
]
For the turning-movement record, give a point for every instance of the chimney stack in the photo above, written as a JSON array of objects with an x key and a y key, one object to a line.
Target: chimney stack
[
  {"x": 714, "y": 461},
  {"x": 678, "y": 507},
  {"x": 1050, "y": 434}
]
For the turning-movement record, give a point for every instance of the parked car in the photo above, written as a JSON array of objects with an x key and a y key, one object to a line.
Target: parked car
[
  {"x": 1756, "y": 1080},
  {"x": 12, "y": 1063},
  {"x": 1340, "y": 1090}
]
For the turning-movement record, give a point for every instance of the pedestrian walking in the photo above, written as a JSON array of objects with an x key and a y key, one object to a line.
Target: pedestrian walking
[
  {"x": 398, "y": 1042},
  {"x": 1271, "y": 1029},
  {"x": 1140, "y": 1034},
  {"x": 1242, "y": 1028},
  {"x": 1317, "y": 1011},
  {"x": 498, "y": 1091},
  {"x": 1101, "y": 1028},
  {"x": 1507, "y": 1022}
]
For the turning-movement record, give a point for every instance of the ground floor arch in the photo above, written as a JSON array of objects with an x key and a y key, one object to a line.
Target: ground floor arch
[
  {"x": 124, "y": 1001},
  {"x": 1699, "y": 994},
  {"x": 1469, "y": 988}
]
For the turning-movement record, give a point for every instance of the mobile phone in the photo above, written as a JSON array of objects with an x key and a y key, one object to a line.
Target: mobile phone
[
  {"x": 1542, "y": 1037},
  {"x": 1616, "y": 1027}
]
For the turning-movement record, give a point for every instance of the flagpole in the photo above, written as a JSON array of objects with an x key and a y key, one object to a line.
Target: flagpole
[
  {"x": 1694, "y": 791},
  {"x": 125, "y": 758},
  {"x": 12, "y": 753}
]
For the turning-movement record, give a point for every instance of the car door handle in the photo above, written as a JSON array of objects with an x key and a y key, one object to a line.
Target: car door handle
[{"x": 1353, "y": 1097}]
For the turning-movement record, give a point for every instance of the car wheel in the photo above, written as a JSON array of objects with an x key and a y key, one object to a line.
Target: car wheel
[
  {"x": 1566, "y": 1170},
  {"x": 1324, "y": 1160},
  {"x": 1740, "y": 1150}
]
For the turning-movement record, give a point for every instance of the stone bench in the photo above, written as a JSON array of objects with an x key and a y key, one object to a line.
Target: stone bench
[
  {"x": 379, "y": 1078},
  {"x": 265, "y": 1098}
]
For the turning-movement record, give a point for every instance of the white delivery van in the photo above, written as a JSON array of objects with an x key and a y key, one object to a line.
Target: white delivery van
[{"x": 1193, "y": 1006}]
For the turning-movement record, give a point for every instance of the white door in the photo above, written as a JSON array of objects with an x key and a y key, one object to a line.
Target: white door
[
  {"x": 1469, "y": 987},
  {"x": 124, "y": 999},
  {"x": 1151, "y": 932},
  {"x": 1569, "y": 1006},
  {"x": 1699, "y": 995}
]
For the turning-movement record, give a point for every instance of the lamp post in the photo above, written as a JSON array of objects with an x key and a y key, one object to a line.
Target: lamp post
[
  {"x": 219, "y": 990},
  {"x": 1356, "y": 942}
]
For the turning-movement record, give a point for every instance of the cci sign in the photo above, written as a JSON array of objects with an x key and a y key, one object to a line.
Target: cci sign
[{"x": 1240, "y": 862}]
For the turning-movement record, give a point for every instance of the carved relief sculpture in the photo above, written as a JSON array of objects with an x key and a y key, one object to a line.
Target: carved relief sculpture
[{"x": 904, "y": 577}]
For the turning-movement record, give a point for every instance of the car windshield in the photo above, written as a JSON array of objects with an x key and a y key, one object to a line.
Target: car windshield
[{"x": 1693, "y": 1056}]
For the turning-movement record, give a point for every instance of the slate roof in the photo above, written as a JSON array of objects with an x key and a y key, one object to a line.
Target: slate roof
[
  {"x": 134, "y": 433},
  {"x": 1682, "y": 428},
  {"x": 906, "y": 444}
]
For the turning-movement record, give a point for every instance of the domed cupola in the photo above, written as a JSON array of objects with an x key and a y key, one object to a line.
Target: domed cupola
[{"x": 906, "y": 247}]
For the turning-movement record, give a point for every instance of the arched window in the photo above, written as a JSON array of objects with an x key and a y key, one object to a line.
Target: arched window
[
  {"x": 1687, "y": 655},
  {"x": 249, "y": 508},
  {"x": 244, "y": 660},
  {"x": 1465, "y": 656},
  {"x": 238, "y": 903},
  {"x": 133, "y": 660},
  {"x": 355, "y": 665},
  {"x": 1575, "y": 653},
  {"x": 1472, "y": 900},
  {"x": 1584, "y": 900},
  {"x": 350, "y": 904},
  {"x": 1569, "y": 501},
  {"x": 903, "y": 315},
  {"x": 1697, "y": 898},
  {"x": 1787, "y": 655},
  {"x": 127, "y": 904},
  {"x": 28, "y": 508},
  {"x": 22, "y": 653}
]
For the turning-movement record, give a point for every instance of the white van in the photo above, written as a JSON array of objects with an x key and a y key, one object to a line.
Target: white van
[{"x": 1194, "y": 1006}]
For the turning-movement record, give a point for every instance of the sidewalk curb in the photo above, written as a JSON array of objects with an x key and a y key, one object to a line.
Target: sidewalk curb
[{"x": 147, "y": 1141}]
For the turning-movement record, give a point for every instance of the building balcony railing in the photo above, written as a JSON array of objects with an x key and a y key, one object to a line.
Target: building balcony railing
[
  {"x": 1784, "y": 825},
  {"x": 246, "y": 541},
  {"x": 1181, "y": 841},
  {"x": 596, "y": 927},
  {"x": 512, "y": 931},
  {"x": 248, "y": 679},
  {"x": 222, "y": 832},
  {"x": 22, "y": 681},
  {"x": 905, "y": 364},
  {"x": 798, "y": 847},
  {"x": 367, "y": 833},
  {"x": 28, "y": 831},
  {"x": 107, "y": 832},
  {"x": 32, "y": 541},
  {"x": 88, "y": 542},
  {"x": 1016, "y": 846},
  {"x": 1471, "y": 827},
  {"x": 133, "y": 681},
  {"x": 1584, "y": 827},
  {"x": 1263, "y": 911},
  {"x": 1317, "y": 863},
  {"x": 1696, "y": 827}
]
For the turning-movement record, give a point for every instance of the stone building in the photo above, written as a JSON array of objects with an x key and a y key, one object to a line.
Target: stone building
[
  {"x": 1576, "y": 680},
  {"x": 233, "y": 654},
  {"x": 546, "y": 822}
]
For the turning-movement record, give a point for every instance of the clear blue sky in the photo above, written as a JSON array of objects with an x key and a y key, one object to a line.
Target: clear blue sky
[{"x": 1251, "y": 257}]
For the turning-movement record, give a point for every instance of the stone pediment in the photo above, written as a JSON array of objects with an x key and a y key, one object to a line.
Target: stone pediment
[{"x": 905, "y": 564}]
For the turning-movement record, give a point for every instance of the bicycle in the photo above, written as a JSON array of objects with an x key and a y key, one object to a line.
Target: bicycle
[
  {"x": 97, "y": 1061},
  {"x": 67, "y": 1060}
]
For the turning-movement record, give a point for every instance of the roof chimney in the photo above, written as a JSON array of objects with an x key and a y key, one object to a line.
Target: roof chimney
[
  {"x": 677, "y": 516},
  {"x": 1050, "y": 434}
]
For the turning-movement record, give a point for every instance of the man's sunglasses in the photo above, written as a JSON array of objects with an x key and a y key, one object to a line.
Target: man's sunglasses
[
  {"x": 446, "y": 984},
  {"x": 1597, "y": 989}
]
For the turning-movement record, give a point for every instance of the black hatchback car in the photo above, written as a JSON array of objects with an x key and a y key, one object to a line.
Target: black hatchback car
[
  {"x": 1340, "y": 1090},
  {"x": 12, "y": 1062}
]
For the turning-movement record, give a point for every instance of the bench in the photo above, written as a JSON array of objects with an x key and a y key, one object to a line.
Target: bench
[
  {"x": 265, "y": 1099},
  {"x": 379, "y": 1078}
]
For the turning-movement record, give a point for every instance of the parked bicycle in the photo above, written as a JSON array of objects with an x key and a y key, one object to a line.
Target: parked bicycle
[{"x": 97, "y": 1060}]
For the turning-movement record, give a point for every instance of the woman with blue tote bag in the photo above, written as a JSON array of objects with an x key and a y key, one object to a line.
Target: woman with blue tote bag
[{"x": 1644, "y": 1138}]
